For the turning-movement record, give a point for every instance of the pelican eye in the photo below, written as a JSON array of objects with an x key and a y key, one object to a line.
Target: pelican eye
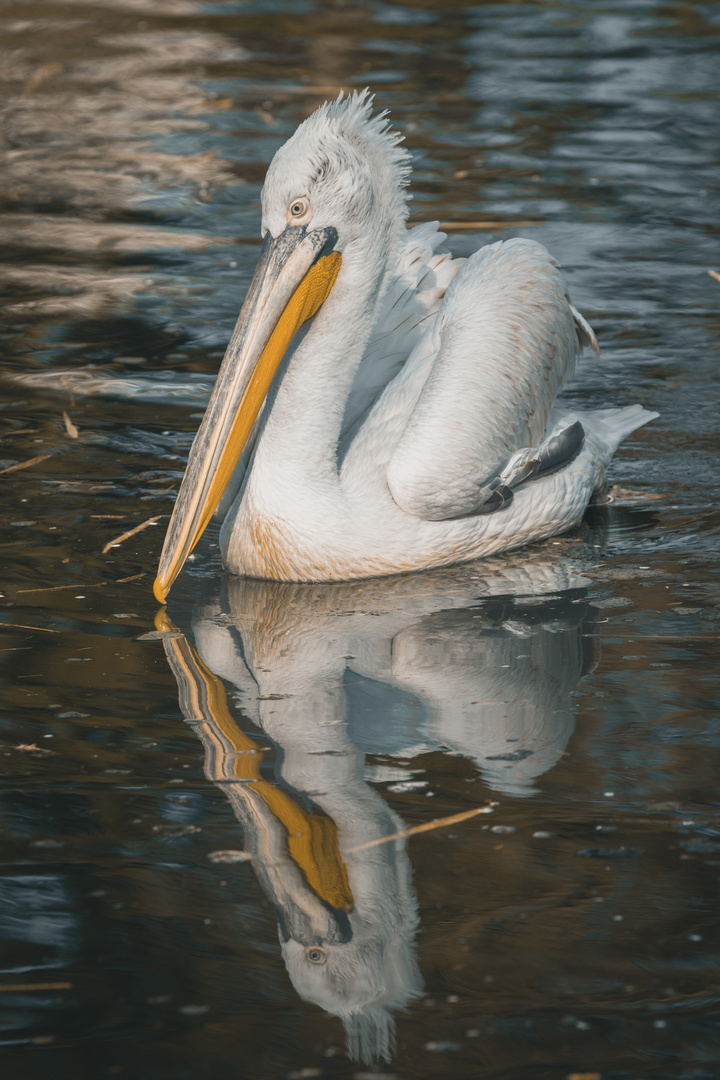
[
  {"x": 316, "y": 954},
  {"x": 298, "y": 209}
]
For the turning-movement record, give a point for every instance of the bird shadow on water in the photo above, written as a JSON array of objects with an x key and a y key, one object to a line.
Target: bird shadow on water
[{"x": 479, "y": 662}]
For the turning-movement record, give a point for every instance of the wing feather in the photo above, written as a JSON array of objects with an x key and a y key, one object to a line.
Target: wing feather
[
  {"x": 506, "y": 338},
  {"x": 417, "y": 285}
]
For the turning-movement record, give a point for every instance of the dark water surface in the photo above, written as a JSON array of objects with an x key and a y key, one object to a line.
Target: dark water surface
[{"x": 188, "y": 809}]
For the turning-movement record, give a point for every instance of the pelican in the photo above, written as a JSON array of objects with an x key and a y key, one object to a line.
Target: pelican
[{"x": 383, "y": 407}]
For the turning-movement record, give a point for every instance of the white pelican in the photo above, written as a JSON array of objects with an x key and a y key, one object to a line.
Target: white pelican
[{"x": 410, "y": 424}]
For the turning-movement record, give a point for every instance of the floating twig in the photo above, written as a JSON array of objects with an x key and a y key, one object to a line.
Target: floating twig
[
  {"x": 32, "y": 748},
  {"x": 714, "y": 274},
  {"x": 70, "y": 427},
  {"x": 25, "y": 988},
  {"x": 25, "y": 464},
  {"x": 131, "y": 532},
  {"x": 57, "y": 588},
  {"x": 79, "y": 585},
  {"x": 21, "y": 626},
  {"x": 437, "y": 823},
  {"x": 108, "y": 517}
]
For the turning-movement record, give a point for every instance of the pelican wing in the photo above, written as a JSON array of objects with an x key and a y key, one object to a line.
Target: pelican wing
[
  {"x": 413, "y": 296},
  {"x": 481, "y": 384}
]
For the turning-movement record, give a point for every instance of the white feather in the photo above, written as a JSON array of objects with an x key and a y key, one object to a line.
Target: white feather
[{"x": 417, "y": 285}]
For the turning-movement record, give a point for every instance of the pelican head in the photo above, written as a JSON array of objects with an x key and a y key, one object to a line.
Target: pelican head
[
  {"x": 343, "y": 169},
  {"x": 333, "y": 203}
]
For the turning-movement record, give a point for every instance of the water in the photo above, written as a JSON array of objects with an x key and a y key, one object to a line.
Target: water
[{"x": 188, "y": 808}]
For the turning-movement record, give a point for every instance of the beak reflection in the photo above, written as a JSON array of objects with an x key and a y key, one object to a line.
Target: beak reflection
[{"x": 299, "y": 862}]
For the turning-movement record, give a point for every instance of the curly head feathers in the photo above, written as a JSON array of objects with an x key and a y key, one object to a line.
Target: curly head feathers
[{"x": 350, "y": 167}]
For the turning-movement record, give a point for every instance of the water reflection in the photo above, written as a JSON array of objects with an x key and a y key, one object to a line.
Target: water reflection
[{"x": 480, "y": 663}]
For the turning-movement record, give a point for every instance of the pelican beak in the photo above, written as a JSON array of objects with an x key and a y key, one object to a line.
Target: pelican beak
[{"x": 294, "y": 275}]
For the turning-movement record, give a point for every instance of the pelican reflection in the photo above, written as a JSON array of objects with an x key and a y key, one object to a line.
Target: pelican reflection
[{"x": 477, "y": 662}]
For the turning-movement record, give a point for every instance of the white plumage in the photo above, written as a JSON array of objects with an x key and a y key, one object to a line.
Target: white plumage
[{"x": 410, "y": 423}]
